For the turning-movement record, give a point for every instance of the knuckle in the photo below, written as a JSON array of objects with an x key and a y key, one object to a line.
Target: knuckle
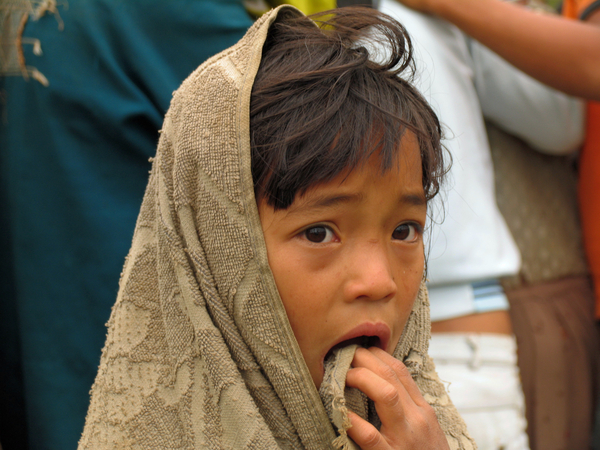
[
  {"x": 428, "y": 410},
  {"x": 390, "y": 396},
  {"x": 372, "y": 438},
  {"x": 419, "y": 424},
  {"x": 400, "y": 369},
  {"x": 389, "y": 373},
  {"x": 425, "y": 420}
]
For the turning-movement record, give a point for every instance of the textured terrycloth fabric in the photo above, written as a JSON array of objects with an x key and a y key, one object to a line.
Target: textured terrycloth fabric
[
  {"x": 200, "y": 353},
  {"x": 338, "y": 398}
]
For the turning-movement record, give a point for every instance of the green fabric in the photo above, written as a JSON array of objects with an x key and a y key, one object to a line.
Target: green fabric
[{"x": 74, "y": 164}]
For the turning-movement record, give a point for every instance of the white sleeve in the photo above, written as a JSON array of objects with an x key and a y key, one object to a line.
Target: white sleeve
[
  {"x": 548, "y": 120},
  {"x": 470, "y": 240}
]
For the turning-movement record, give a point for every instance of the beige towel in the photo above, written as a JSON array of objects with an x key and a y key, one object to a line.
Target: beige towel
[{"x": 200, "y": 353}]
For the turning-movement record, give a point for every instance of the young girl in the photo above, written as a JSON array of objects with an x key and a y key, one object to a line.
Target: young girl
[{"x": 281, "y": 229}]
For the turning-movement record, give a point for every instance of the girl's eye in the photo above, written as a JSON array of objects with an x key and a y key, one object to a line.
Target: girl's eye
[
  {"x": 319, "y": 234},
  {"x": 406, "y": 232}
]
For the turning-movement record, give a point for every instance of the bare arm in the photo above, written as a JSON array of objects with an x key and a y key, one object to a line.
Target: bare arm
[{"x": 562, "y": 53}]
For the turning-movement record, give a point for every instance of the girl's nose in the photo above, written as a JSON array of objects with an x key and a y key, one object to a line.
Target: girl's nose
[{"x": 370, "y": 275}]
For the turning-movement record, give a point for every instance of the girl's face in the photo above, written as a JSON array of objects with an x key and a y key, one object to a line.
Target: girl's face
[{"x": 348, "y": 256}]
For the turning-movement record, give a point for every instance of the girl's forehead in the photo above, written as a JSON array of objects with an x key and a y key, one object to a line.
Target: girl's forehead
[{"x": 402, "y": 179}]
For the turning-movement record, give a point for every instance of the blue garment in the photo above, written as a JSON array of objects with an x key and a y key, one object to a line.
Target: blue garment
[{"x": 73, "y": 167}]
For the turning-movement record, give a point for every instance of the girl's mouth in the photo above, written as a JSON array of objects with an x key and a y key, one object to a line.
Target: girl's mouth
[
  {"x": 361, "y": 341},
  {"x": 367, "y": 334}
]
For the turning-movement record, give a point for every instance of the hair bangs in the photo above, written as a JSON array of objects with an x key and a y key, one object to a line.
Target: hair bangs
[{"x": 323, "y": 103}]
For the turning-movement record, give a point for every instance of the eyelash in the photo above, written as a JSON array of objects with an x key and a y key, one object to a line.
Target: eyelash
[
  {"x": 414, "y": 232},
  {"x": 328, "y": 232}
]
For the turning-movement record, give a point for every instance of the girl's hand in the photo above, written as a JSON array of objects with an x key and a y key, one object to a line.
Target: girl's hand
[{"x": 407, "y": 420}]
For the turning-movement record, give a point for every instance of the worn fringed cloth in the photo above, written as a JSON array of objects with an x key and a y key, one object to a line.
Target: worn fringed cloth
[{"x": 200, "y": 353}]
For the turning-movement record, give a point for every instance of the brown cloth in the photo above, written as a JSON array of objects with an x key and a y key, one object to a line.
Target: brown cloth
[
  {"x": 551, "y": 300},
  {"x": 558, "y": 361},
  {"x": 200, "y": 353}
]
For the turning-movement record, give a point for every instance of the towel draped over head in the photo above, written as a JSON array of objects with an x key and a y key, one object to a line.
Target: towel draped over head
[{"x": 200, "y": 353}]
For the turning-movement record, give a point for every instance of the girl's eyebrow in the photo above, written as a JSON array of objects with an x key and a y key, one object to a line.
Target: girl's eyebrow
[
  {"x": 329, "y": 201},
  {"x": 416, "y": 199}
]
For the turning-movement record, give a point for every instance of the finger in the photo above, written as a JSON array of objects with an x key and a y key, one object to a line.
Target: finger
[
  {"x": 385, "y": 366},
  {"x": 403, "y": 422},
  {"x": 365, "y": 435},
  {"x": 401, "y": 373},
  {"x": 370, "y": 360},
  {"x": 392, "y": 402}
]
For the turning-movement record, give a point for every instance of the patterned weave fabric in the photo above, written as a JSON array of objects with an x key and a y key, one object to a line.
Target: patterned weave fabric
[
  {"x": 200, "y": 353},
  {"x": 536, "y": 194}
]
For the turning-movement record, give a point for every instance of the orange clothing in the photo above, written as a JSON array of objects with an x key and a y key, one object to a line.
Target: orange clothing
[
  {"x": 589, "y": 165},
  {"x": 589, "y": 195},
  {"x": 579, "y": 9}
]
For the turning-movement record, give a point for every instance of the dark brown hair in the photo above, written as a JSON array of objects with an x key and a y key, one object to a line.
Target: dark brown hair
[{"x": 327, "y": 96}]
